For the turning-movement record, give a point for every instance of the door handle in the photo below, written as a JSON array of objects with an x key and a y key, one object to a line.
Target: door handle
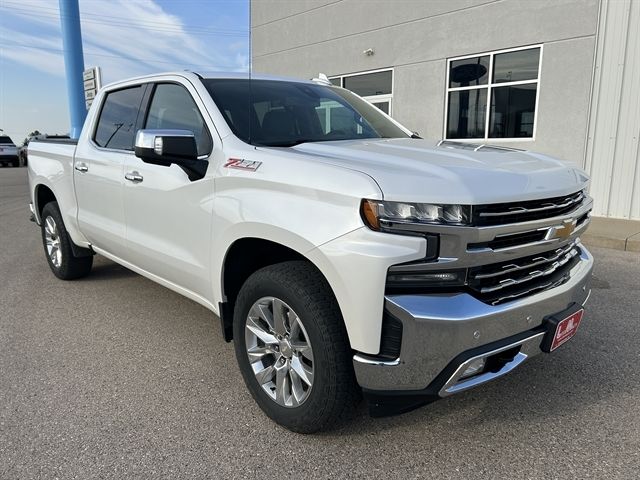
[
  {"x": 134, "y": 177},
  {"x": 81, "y": 167}
]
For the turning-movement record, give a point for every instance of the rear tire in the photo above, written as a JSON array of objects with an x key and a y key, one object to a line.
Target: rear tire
[
  {"x": 307, "y": 337},
  {"x": 57, "y": 246}
]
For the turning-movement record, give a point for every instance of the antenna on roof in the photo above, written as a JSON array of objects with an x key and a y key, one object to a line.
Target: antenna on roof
[{"x": 322, "y": 78}]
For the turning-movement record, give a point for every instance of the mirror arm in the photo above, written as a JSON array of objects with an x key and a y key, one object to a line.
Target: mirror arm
[{"x": 195, "y": 169}]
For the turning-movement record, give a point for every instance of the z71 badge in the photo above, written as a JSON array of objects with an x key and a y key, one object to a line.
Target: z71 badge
[{"x": 242, "y": 164}]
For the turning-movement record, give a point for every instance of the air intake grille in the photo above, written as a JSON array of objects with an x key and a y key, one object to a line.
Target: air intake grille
[
  {"x": 391, "y": 339},
  {"x": 501, "y": 282},
  {"x": 505, "y": 213}
]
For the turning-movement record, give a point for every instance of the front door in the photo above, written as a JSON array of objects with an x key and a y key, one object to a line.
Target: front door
[{"x": 168, "y": 216}]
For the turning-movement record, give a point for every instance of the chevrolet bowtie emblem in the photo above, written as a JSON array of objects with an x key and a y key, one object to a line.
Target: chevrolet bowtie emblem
[{"x": 562, "y": 232}]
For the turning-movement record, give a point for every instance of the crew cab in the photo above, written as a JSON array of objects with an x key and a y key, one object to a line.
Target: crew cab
[{"x": 342, "y": 253}]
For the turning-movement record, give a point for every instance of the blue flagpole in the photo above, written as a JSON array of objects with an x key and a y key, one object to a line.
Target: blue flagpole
[{"x": 73, "y": 63}]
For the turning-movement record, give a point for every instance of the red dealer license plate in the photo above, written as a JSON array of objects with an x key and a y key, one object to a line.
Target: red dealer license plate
[{"x": 564, "y": 331}]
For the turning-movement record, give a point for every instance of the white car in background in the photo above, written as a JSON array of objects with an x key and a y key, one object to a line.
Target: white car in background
[{"x": 8, "y": 152}]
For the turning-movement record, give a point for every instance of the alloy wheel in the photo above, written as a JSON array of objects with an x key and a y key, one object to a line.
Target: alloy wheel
[
  {"x": 52, "y": 240},
  {"x": 279, "y": 351}
]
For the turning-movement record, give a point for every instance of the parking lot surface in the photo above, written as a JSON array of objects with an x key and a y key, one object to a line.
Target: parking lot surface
[{"x": 115, "y": 376}]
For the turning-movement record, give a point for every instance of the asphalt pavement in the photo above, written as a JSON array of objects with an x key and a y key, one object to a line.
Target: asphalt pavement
[{"x": 114, "y": 376}]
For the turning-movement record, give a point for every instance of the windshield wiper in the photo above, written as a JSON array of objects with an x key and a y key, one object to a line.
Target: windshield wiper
[{"x": 291, "y": 143}]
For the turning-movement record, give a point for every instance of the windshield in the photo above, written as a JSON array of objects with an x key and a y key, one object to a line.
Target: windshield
[
  {"x": 282, "y": 114},
  {"x": 5, "y": 140}
]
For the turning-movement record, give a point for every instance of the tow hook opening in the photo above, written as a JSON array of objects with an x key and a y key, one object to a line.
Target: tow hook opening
[
  {"x": 492, "y": 363},
  {"x": 496, "y": 362}
]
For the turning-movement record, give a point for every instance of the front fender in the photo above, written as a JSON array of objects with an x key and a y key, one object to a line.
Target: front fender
[
  {"x": 300, "y": 204},
  {"x": 355, "y": 265}
]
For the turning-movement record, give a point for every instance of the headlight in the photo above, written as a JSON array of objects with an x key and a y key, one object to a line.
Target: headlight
[{"x": 379, "y": 214}]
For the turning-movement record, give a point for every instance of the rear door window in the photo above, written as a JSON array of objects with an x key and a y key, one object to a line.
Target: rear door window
[{"x": 117, "y": 123}]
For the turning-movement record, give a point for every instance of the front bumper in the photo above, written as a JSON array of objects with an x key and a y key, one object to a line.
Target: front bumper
[{"x": 441, "y": 332}]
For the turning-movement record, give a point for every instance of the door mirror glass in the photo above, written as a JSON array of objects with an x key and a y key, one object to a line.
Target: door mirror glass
[{"x": 166, "y": 147}]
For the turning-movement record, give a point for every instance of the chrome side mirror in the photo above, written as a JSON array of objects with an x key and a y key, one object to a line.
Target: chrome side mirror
[
  {"x": 166, "y": 144},
  {"x": 166, "y": 147}
]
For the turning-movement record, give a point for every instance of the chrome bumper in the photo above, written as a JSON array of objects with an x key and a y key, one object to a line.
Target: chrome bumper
[{"x": 439, "y": 328}]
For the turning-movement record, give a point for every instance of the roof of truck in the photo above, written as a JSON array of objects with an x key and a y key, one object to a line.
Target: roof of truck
[
  {"x": 213, "y": 75},
  {"x": 253, "y": 76}
]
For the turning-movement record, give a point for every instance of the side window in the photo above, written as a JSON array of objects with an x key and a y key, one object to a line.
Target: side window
[
  {"x": 173, "y": 108},
  {"x": 376, "y": 87},
  {"x": 335, "y": 117},
  {"x": 117, "y": 123}
]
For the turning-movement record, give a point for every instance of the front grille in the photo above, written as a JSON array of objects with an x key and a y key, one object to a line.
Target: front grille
[
  {"x": 505, "y": 213},
  {"x": 501, "y": 282}
]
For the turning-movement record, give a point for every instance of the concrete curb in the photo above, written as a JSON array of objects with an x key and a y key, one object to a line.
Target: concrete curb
[{"x": 615, "y": 233}]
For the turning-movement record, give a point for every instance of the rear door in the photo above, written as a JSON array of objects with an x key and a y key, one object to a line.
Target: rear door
[
  {"x": 99, "y": 169},
  {"x": 168, "y": 216}
]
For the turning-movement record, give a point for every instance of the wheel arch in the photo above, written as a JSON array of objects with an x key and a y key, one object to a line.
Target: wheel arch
[
  {"x": 42, "y": 195},
  {"x": 244, "y": 257}
]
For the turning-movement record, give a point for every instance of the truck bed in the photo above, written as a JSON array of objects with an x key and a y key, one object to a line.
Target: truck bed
[{"x": 51, "y": 170}]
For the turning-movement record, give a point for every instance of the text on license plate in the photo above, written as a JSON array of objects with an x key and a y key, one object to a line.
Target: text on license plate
[{"x": 566, "y": 329}]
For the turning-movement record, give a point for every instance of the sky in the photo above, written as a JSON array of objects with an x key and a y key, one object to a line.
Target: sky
[{"x": 125, "y": 38}]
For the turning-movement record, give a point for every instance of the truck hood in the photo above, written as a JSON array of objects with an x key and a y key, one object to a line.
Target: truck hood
[{"x": 416, "y": 170}]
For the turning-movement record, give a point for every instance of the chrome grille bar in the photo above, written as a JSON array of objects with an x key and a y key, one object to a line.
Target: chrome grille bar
[
  {"x": 547, "y": 206},
  {"x": 509, "y": 282},
  {"x": 513, "y": 267},
  {"x": 533, "y": 289}
]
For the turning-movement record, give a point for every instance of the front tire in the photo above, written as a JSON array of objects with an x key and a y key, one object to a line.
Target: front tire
[
  {"x": 57, "y": 246},
  {"x": 292, "y": 348}
]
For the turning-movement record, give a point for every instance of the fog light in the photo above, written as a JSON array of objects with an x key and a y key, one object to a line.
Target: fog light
[{"x": 475, "y": 367}]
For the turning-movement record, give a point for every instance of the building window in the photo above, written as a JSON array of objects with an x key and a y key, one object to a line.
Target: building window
[
  {"x": 376, "y": 87},
  {"x": 493, "y": 95}
]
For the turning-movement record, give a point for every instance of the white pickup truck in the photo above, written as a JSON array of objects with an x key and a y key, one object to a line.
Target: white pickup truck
[{"x": 342, "y": 253}]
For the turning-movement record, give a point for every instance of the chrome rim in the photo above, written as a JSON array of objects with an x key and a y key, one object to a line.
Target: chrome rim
[
  {"x": 279, "y": 351},
  {"x": 52, "y": 241}
]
